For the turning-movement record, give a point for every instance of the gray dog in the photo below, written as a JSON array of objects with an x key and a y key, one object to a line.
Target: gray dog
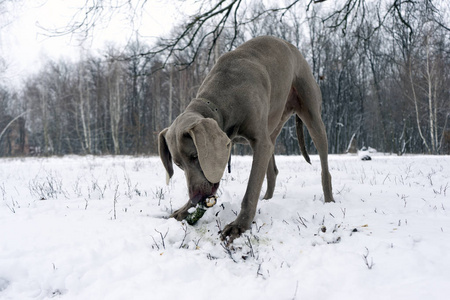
[{"x": 248, "y": 96}]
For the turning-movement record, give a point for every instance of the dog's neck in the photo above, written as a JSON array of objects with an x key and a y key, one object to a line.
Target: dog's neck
[{"x": 210, "y": 110}]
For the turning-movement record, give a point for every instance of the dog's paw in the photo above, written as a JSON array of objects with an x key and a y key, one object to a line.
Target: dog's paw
[
  {"x": 232, "y": 231},
  {"x": 180, "y": 214},
  {"x": 183, "y": 212}
]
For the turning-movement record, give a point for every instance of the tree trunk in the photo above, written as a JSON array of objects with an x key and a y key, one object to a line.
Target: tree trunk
[
  {"x": 431, "y": 110},
  {"x": 86, "y": 142},
  {"x": 114, "y": 106},
  {"x": 416, "y": 105}
]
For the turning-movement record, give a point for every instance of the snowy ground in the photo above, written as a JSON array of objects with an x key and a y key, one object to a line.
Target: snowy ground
[{"x": 96, "y": 228}]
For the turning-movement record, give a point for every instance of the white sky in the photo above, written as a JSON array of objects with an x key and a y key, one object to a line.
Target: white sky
[{"x": 24, "y": 44}]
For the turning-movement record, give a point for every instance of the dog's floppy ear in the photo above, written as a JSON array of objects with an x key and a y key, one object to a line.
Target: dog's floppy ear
[
  {"x": 165, "y": 155},
  {"x": 213, "y": 148}
]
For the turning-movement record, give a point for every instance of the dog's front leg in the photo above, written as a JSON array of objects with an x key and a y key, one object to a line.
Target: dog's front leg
[{"x": 262, "y": 153}]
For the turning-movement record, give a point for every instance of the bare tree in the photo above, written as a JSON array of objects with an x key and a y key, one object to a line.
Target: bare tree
[
  {"x": 115, "y": 93},
  {"x": 388, "y": 84},
  {"x": 84, "y": 108},
  {"x": 433, "y": 83},
  {"x": 204, "y": 28}
]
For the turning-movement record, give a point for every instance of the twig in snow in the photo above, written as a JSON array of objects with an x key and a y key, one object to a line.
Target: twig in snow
[
  {"x": 129, "y": 185},
  {"x": 159, "y": 194},
  {"x": 338, "y": 192},
  {"x": 196, "y": 243},
  {"x": 403, "y": 197},
  {"x": 366, "y": 261},
  {"x": 301, "y": 220},
  {"x": 258, "y": 228},
  {"x": 184, "y": 227},
  {"x": 442, "y": 189},
  {"x": 228, "y": 251},
  {"x": 11, "y": 208},
  {"x": 163, "y": 243},
  {"x": 296, "y": 290},
  {"x": 343, "y": 211},
  {"x": 248, "y": 242},
  {"x": 258, "y": 272},
  {"x": 3, "y": 189},
  {"x": 77, "y": 188},
  {"x": 433, "y": 172},
  {"x": 387, "y": 177},
  {"x": 219, "y": 225},
  {"x": 155, "y": 243},
  {"x": 116, "y": 195}
]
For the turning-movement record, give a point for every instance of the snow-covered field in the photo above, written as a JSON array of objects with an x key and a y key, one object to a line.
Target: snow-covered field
[{"x": 96, "y": 228}]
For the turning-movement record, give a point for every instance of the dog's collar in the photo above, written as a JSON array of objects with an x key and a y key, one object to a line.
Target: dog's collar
[{"x": 212, "y": 107}]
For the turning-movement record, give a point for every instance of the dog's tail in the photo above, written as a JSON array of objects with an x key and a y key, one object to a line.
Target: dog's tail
[{"x": 301, "y": 138}]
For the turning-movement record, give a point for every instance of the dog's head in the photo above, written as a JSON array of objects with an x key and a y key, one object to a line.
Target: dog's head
[{"x": 200, "y": 148}]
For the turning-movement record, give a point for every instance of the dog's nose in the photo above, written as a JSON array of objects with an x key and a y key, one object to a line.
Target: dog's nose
[{"x": 201, "y": 191}]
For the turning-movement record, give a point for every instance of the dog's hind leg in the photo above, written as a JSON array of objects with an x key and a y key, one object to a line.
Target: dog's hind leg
[
  {"x": 309, "y": 111},
  {"x": 272, "y": 170},
  {"x": 317, "y": 131}
]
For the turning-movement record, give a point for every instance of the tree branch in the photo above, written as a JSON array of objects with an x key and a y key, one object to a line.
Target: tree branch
[
  {"x": 214, "y": 18},
  {"x": 9, "y": 124}
]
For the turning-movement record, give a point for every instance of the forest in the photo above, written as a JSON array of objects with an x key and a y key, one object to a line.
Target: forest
[{"x": 386, "y": 85}]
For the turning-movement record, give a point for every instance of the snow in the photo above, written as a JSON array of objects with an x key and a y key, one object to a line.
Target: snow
[{"x": 97, "y": 228}]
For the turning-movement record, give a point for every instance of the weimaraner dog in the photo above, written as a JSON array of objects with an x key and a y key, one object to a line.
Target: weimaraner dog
[{"x": 248, "y": 96}]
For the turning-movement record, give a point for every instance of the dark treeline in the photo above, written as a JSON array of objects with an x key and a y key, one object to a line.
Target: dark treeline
[{"x": 387, "y": 86}]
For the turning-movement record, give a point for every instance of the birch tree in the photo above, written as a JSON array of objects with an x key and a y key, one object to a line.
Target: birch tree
[
  {"x": 115, "y": 103},
  {"x": 435, "y": 82},
  {"x": 84, "y": 108}
]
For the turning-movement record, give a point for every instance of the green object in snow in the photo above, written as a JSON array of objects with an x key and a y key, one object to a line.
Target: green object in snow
[
  {"x": 200, "y": 210},
  {"x": 196, "y": 215}
]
